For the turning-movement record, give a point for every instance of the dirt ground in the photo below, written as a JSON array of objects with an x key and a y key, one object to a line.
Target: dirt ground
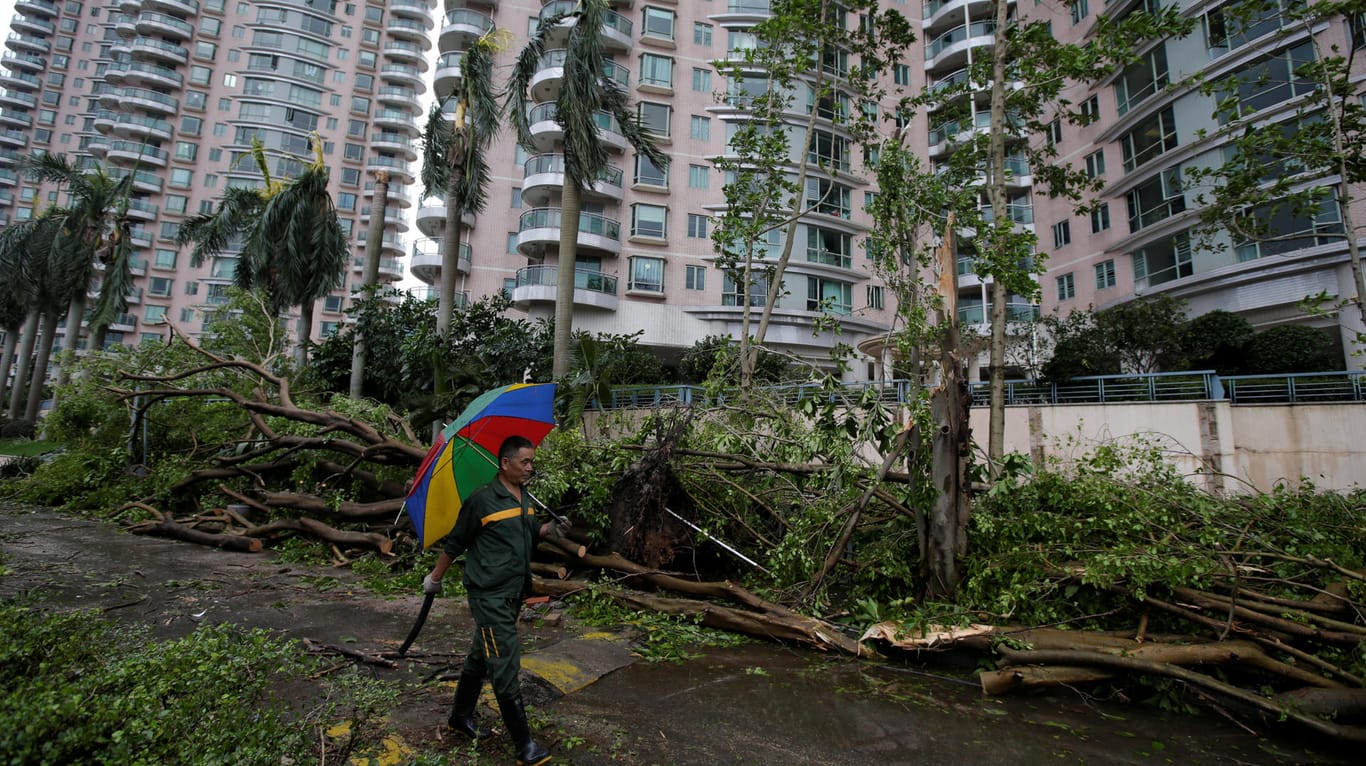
[{"x": 758, "y": 704}]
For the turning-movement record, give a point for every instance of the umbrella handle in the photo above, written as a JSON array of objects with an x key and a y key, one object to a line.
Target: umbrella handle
[
  {"x": 417, "y": 626},
  {"x": 557, "y": 517}
]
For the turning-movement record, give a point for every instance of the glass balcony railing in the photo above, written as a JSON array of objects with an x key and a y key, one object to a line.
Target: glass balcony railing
[
  {"x": 548, "y": 276},
  {"x": 1015, "y": 312},
  {"x": 589, "y": 223},
  {"x": 958, "y": 35}
]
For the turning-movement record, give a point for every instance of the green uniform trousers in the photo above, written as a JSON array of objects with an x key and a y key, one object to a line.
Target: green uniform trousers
[{"x": 496, "y": 652}]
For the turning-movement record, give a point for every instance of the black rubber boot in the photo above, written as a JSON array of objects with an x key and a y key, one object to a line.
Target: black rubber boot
[
  {"x": 529, "y": 753},
  {"x": 462, "y": 712}
]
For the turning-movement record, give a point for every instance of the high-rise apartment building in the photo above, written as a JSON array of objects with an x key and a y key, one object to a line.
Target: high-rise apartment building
[{"x": 174, "y": 92}]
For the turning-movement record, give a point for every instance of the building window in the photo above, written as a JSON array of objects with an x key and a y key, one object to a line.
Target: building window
[
  {"x": 701, "y": 33},
  {"x": 181, "y": 178},
  {"x": 649, "y": 220},
  {"x": 647, "y": 274},
  {"x": 1079, "y": 11},
  {"x": 184, "y": 150},
  {"x": 699, "y": 128},
  {"x": 701, "y": 80},
  {"x": 698, "y": 176},
  {"x": 1105, "y": 274},
  {"x": 192, "y": 287},
  {"x": 1156, "y": 200},
  {"x": 1090, "y": 110},
  {"x": 1234, "y": 25},
  {"x": 1151, "y": 138},
  {"x": 332, "y": 304},
  {"x": 154, "y": 314},
  {"x": 1100, "y": 218},
  {"x": 656, "y": 70},
  {"x": 1062, "y": 233},
  {"x": 901, "y": 74},
  {"x": 658, "y": 23},
  {"x": 1163, "y": 261},
  {"x": 875, "y": 297},
  {"x": 829, "y": 247},
  {"x": 697, "y": 226},
  {"x": 515, "y": 202},
  {"x": 512, "y": 242},
  {"x": 1095, "y": 164},
  {"x": 655, "y": 117},
  {"x": 829, "y": 295},
  {"x": 1054, "y": 134},
  {"x": 346, "y": 201},
  {"x": 1271, "y": 81},
  {"x": 650, "y": 174},
  {"x": 731, "y": 293},
  {"x": 1142, "y": 80},
  {"x": 1067, "y": 290},
  {"x": 160, "y": 287},
  {"x": 695, "y": 278}
]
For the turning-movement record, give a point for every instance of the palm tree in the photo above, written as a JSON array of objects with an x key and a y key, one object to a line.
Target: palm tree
[
  {"x": 293, "y": 245},
  {"x": 453, "y": 164},
  {"x": 587, "y": 90},
  {"x": 39, "y": 275},
  {"x": 94, "y": 229}
]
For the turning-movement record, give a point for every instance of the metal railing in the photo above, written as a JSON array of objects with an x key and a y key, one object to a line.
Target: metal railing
[{"x": 1196, "y": 385}]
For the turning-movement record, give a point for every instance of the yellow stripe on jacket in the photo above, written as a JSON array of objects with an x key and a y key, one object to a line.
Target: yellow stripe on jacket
[{"x": 509, "y": 513}]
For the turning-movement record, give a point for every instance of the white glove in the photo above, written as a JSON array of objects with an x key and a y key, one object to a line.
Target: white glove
[{"x": 431, "y": 587}]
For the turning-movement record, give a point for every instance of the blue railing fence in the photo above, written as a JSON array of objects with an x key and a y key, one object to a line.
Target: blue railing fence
[{"x": 1195, "y": 385}]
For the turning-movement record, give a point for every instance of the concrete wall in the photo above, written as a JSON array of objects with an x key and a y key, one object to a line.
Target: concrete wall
[{"x": 1221, "y": 447}]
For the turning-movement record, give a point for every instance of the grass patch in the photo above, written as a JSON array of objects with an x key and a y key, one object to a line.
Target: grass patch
[{"x": 26, "y": 447}]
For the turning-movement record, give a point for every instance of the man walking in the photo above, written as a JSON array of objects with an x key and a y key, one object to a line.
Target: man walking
[{"x": 496, "y": 531}]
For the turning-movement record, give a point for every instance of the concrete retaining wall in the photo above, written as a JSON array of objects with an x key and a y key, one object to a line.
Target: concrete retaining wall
[{"x": 1222, "y": 447}]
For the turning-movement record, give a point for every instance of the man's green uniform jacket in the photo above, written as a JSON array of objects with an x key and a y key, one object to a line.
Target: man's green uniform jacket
[{"x": 498, "y": 534}]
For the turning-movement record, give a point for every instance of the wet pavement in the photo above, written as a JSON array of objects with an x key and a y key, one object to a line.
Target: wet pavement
[{"x": 594, "y": 702}]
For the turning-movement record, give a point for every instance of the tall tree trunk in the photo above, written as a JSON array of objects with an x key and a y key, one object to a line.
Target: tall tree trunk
[
  {"x": 374, "y": 247},
  {"x": 943, "y": 533},
  {"x": 564, "y": 285},
  {"x": 1000, "y": 224},
  {"x": 21, "y": 374},
  {"x": 46, "y": 336},
  {"x": 7, "y": 358},
  {"x": 450, "y": 237},
  {"x": 75, "y": 316},
  {"x": 305, "y": 330}
]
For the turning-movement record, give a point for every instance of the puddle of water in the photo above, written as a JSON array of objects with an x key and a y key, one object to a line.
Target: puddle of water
[{"x": 761, "y": 704}]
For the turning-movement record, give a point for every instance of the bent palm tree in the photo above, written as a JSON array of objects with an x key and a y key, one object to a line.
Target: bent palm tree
[
  {"x": 587, "y": 90},
  {"x": 94, "y": 230},
  {"x": 453, "y": 164},
  {"x": 293, "y": 245}
]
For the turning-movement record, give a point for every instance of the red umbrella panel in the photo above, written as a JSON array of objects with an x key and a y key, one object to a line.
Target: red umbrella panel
[{"x": 464, "y": 456}]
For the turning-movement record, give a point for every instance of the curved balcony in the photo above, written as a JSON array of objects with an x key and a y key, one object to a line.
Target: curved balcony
[
  {"x": 151, "y": 100},
  {"x": 141, "y": 209},
  {"x": 398, "y": 143},
  {"x": 9, "y": 157},
  {"x": 401, "y": 120},
  {"x": 398, "y": 194},
  {"x": 20, "y": 81},
  {"x": 592, "y": 289},
  {"x": 617, "y": 29},
  {"x": 398, "y": 169},
  {"x": 182, "y": 7},
  {"x": 394, "y": 219},
  {"x": 21, "y": 43},
  {"x": 390, "y": 268},
  {"x": 546, "y": 82},
  {"x": 143, "y": 73},
  {"x": 142, "y": 180},
  {"x": 426, "y": 261},
  {"x": 547, "y": 132},
  {"x": 543, "y": 179},
  {"x": 412, "y": 9},
  {"x": 138, "y": 126},
  {"x": 407, "y": 52},
  {"x": 743, "y": 13},
  {"x": 431, "y": 217},
  {"x": 950, "y": 49},
  {"x": 137, "y": 154},
  {"x": 540, "y": 228},
  {"x": 125, "y": 25},
  {"x": 14, "y": 117},
  {"x": 461, "y": 27},
  {"x": 16, "y": 62},
  {"x": 447, "y": 76},
  {"x": 159, "y": 50},
  {"x": 18, "y": 99},
  {"x": 32, "y": 25},
  {"x": 44, "y": 8},
  {"x": 153, "y": 24},
  {"x": 396, "y": 95},
  {"x": 939, "y": 15},
  {"x": 409, "y": 31},
  {"x": 14, "y": 138},
  {"x": 404, "y": 74},
  {"x": 9, "y": 178}
]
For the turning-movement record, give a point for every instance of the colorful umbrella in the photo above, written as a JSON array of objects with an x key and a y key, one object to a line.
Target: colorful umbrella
[{"x": 464, "y": 457}]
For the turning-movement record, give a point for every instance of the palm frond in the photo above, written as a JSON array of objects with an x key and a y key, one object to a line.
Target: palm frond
[
  {"x": 436, "y": 143},
  {"x": 526, "y": 65}
]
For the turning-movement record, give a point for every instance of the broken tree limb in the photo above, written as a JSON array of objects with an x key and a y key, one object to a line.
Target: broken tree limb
[
  {"x": 1337, "y": 632},
  {"x": 796, "y": 629},
  {"x": 1006, "y": 680},
  {"x": 342, "y": 537},
  {"x": 165, "y": 527},
  {"x": 1346, "y": 734},
  {"x": 318, "y": 647},
  {"x": 346, "y": 509}
]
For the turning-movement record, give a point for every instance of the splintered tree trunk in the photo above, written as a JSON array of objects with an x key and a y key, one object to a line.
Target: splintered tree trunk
[{"x": 947, "y": 527}]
